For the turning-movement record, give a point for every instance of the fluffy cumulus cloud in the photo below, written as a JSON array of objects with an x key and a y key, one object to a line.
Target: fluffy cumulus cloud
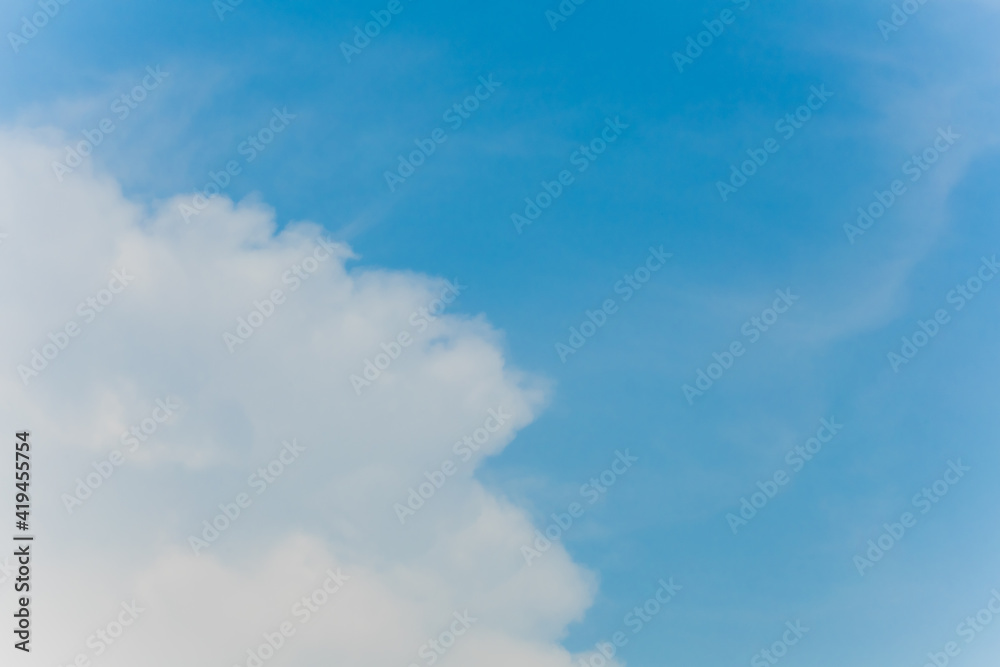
[{"x": 158, "y": 402}]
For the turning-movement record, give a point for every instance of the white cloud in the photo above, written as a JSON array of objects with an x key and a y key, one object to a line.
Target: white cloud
[{"x": 162, "y": 335}]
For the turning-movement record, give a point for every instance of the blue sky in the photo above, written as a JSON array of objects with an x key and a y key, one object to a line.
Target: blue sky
[{"x": 656, "y": 185}]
